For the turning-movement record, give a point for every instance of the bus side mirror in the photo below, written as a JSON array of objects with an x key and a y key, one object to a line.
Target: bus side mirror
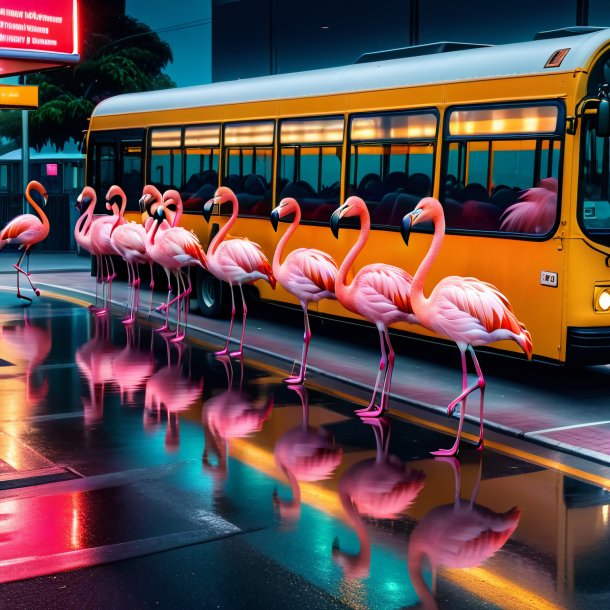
[{"x": 603, "y": 118}]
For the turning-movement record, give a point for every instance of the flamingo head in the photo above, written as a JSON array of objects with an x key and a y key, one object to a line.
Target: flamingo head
[
  {"x": 427, "y": 209},
  {"x": 287, "y": 206},
  {"x": 172, "y": 204},
  {"x": 353, "y": 206},
  {"x": 85, "y": 198},
  {"x": 222, "y": 195},
  {"x": 115, "y": 192},
  {"x": 150, "y": 196},
  {"x": 35, "y": 185}
]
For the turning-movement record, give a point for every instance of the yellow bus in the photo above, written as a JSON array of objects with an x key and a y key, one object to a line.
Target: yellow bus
[{"x": 479, "y": 128}]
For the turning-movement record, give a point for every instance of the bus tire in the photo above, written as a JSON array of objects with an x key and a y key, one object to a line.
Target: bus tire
[{"x": 212, "y": 295}]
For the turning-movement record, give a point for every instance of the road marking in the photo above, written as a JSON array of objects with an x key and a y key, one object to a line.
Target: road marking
[{"x": 572, "y": 427}]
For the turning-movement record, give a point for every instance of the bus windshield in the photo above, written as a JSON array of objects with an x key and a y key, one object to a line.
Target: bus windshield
[{"x": 594, "y": 208}]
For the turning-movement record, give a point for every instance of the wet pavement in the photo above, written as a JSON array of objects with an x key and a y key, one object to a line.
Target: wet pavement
[{"x": 138, "y": 473}]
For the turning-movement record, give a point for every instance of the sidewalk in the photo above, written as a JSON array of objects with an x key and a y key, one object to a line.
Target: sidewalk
[{"x": 564, "y": 409}]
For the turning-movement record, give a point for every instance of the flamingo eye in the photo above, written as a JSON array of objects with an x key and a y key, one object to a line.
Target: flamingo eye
[{"x": 172, "y": 206}]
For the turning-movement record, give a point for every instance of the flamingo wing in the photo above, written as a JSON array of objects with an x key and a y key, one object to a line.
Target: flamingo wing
[
  {"x": 313, "y": 267},
  {"x": 246, "y": 255},
  {"x": 24, "y": 226},
  {"x": 181, "y": 245},
  {"x": 388, "y": 283},
  {"x": 533, "y": 213}
]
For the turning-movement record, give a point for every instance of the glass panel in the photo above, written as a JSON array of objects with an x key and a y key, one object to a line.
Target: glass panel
[
  {"x": 166, "y": 168},
  {"x": 312, "y": 175},
  {"x": 166, "y": 137},
  {"x": 248, "y": 173},
  {"x": 202, "y": 135},
  {"x": 503, "y": 121},
  {"x": 594, "y": 185},
  {"x": 502, "y": 185},
  {"x": 312, "y": 131},
  {"x": 391, "y": 178},
  {"x": 104, "y": 171},
  {"x": 131, "y": 173},
  {"x": 393, "y": 127},
  {"x": 249, "y": 133},
  {"x": 202, "y": 177}
]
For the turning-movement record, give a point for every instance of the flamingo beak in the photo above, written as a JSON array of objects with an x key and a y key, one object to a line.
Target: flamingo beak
[
  {"x": 335, "y": 218},
  {"x": 275, "y": 219},
  {"x": 159, "y": 214},
  {"x": 207, "y": 209},
  {"x": 405, "y": 227}
]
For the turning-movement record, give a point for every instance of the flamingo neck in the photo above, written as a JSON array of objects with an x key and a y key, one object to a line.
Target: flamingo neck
[
  {"x": 38, "y": 209},
  {"x": 178, "y": 216},
  {"x": 225, "y": 229},
  {"x": 277, "y": 257},
  {"x": 363, "y": 556},
  {"x": 341, "y": 287},
  {"x": 415, "y": 558},
  {"x": 418, "y": 300},
  {"x": 82, "y": 226},
  {"x": 150, "y": 236}
]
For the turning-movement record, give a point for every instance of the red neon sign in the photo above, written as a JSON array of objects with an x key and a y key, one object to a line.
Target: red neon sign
[{"x": 38, "y": 29}]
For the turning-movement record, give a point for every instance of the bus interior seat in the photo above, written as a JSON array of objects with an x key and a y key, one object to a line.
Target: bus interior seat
[
  {"x": 480, "y": 215},
  {"x": 419, "y": 184},
  {"x": 395, "y": 181},
  {"x": 370, "y": 188},
  {"x": 453, "y": 213},
  {"x": 473, "y": 191},
  {"x": 233, "y": 181},
  {"x": 504, "y": 196}
]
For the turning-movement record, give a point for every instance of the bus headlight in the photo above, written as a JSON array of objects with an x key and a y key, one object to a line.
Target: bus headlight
[{"x": 601, "y": 298}]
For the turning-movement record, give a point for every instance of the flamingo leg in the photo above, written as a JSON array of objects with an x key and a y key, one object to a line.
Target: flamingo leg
[
  {"x": 104, "y": 309},
  {"x": 238, "y": 353},
  {"x": 136, "y": 285},
  {"x": 169, "y": 294},
  {"x": 225, "y": 351},
  {"x": 181, "y": 303},
  {"x": 129, "y": 294},
  {"x": 382, "y": 367},
  {"x": 387, "y": 381},
  {"x": 185, "y": 304},
  {"x": 152, "y": 288},
  {"x": 300, "y": 378},
  {"x": 456, "y": 445},
  {"x": 98, "y": 280},
  {"x": 17, "y": 266},
  {"x": 26, "y": 274},
  {"x": 481, "y": 383}
]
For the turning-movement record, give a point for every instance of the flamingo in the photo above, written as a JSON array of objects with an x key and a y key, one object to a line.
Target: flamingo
[
  {"x": 236, "y": 261},
  {"x": 27, "y": 230},
  {"x": 306, "y": 273},
  {"x": 535, "y": 211},
  {"x": 379, "y": 293},
  {"x": 129, "y": 240},
  {"x": 458, "y": 535},
  {"x": 379, "y": 487},
  {"x": 173, "y": 249},
  {"x": 103, "y": 246},
  {"x": 464, "y": 309},
  {"x": 304, "y": 453}
]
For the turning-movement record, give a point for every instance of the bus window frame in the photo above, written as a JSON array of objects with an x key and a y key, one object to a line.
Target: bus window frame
[
  {"x": 434, "y": 140},
  {"x": 557, "y": 136},
  {"x": 597, "y": 236},
  {"x": 149, "y": 153},
  {"x": 224, "y": 148},
  {"x": 319, "y": 144}
]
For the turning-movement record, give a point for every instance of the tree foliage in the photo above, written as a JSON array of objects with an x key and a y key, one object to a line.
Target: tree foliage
[{"x": 118, "y": 55}]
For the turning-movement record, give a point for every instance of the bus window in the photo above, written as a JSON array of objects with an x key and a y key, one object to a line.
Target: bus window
[
  {"x": 594, "y": 187},
  {"x": 201, "y": 152},
  {"x": 310, "y": 165},
  {"x": 131, "y": 172},
  {"x": 165, "y": 170},
  {"x": 248, "y": 165},
  {"x": 391, "y": 162},
  {"x": 502, "y": 169}
]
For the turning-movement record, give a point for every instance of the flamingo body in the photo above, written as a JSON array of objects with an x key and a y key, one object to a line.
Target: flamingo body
[
  {"x": 306, "y": 273},
  {"x": 379, "y": 293},
  {"x": 464, "y": 309}
]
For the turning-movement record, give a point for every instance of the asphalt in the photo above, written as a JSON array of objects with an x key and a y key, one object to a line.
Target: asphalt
[{"x": 528, "y": 405}]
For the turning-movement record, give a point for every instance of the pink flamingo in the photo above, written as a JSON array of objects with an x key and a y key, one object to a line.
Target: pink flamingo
[
  {"x": 171, "y": 389},
  {"x": 102, "y": 244},
  {"x": 236, "y": 261},
  {"x": 306, "y": 273},
  {"x": 304, "y": 453},
  {"x": 463, "y": 309},
  {"x": 229, "y": 414},
  {"x": 535, "y": 211},
  {"x": 458, "y": 535},
  {"x": 379, "y": 293},
  {"x": 379, "y": 487},
  {"x": 129, "y": 240},
  {"x": 174, "y": 248},
  {"x": 85, "y": 204},
  {"x": 27, "y": 230}
]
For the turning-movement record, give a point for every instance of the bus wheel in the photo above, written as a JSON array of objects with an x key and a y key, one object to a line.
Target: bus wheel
[{"x": 212, "y": 295}]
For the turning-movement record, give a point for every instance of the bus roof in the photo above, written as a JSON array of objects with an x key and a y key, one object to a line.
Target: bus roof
[{"x": 523, "y": 58}]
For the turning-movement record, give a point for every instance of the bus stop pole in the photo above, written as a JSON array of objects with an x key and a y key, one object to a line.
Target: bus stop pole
[{"x": 25, "y": 149}]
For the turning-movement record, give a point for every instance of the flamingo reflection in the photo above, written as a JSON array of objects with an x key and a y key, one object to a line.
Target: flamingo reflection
[
  {"x": 170, "y": 389},
  {"x": 458, "y": 535},
  {"x": 229, "y": 414},
  {"x": 95, "y": 363},
  {"x": 304, "y": 453},
  {"x": 30, "y": 344},
  {"x": 380, "y": 487}
]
